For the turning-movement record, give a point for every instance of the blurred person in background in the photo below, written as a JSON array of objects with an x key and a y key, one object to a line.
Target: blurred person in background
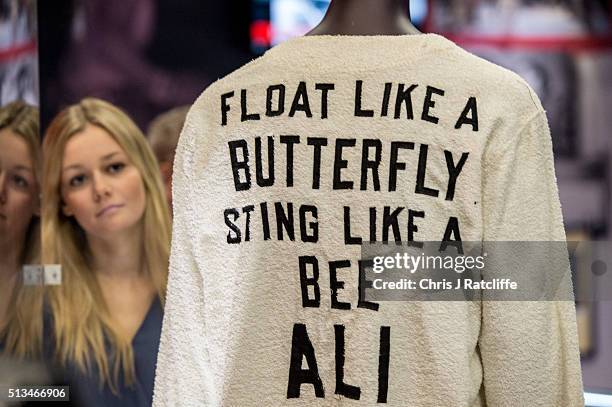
[
  {"x": 20, "y": 157},
  {"x": 18, "y": 55},
  {"x": 163, "y": 135},
  {"x": 105, "y": 220},
  {"x": 106, "y": 58}
]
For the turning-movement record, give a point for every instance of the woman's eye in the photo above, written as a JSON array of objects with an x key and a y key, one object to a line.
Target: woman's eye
[
  {"x": 77, "y": 180},
  {"x": 20, "y": 181},
  {"x": 115, "y": 168}
]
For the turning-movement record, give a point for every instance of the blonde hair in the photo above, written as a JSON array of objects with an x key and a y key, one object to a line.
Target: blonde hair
[
  {"x": 23, "y": 332},
  {"x": 81, "y": 320},
  {"x": 164, "y": 132}
]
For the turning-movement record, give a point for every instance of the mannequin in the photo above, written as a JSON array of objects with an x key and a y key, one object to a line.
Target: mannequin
[{"x": 366, "y": 17}]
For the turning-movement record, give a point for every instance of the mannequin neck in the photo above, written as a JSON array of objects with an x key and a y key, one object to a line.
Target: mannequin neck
[{"x": 366, "y": 17}]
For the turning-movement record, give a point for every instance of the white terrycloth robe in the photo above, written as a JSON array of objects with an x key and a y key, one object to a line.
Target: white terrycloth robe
[{"x": 235, "y": 301}]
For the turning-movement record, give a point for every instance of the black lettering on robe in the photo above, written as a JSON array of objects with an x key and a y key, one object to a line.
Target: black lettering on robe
[
  {"x": 372, "y": 225},
  {"x": 314, "y": 226},
  {"x": 244, "y": 115},
  {"x": 225, "y": 108},
  {"x": 452, "y": 230},
  {"x": 290, "y": 141},
  {"x": 261, "y": 180},
  {"x": 284, "y": 221},
  {"x": 301, "y": 347},
  {"x": 412, "y": 228},
  {"x": 390, "y": 221},
  {"x": 306, "y": 281},
  {"x": 404, "y": 97},
  {"x": 346, "y": 390},
  {"x": 421, "y": 172},
  {"x": 471, "y": 106},
  {"x": 366, "y": 163},
  {"x": 317, "y": 143},
  {"x": 263, "y": 208},
  {"x": 363, "y": 284},
  {"x": 324, "y": 88},
  {"x": 240, "y": 165},
  {"x": 384, "y": 355},
  {"x": 394, "y": 166},
  {"x": 453, "y": 172},
  {"x": 359, "y": 111},
  {"x": 247, "y": 233},
  {"x": 236, "y": 238},
  {"x": 348, "y": 239},
  {"x": 336, "y": 285},
  {"x": 280, "y": 106},
  {"x": 429, "y": 103},
  {"x": 384, "y": 111},
  {"x": 340, "y": 163},
  {"x": 300, "y": 102}
]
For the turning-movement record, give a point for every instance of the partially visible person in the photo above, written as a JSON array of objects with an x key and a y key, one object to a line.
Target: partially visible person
[
  {"x": 163, "y": 135},
  {"x": 107, "y": 57},
  {"x": 26, "y": 372},
  {"x": 105, "y": 220},
  {"x": 20, "y": 157}
]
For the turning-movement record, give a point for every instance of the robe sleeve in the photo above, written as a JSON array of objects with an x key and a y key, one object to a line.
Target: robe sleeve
[
  {"x": 529, "y": 349},
  {"x": 183, "y": 369}
]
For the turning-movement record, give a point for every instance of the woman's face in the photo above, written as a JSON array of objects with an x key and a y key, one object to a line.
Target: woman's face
[
  {"x": 100, "y": 186},
  {"x": 18, "y": 187}
]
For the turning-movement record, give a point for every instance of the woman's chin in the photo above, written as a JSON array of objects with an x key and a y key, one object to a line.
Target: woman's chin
[{"x": 111, "y": 228}]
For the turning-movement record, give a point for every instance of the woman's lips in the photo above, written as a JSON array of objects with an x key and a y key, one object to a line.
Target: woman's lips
[{"x": 108, "y": 209}]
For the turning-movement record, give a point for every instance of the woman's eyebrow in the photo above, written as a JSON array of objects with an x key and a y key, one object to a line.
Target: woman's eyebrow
[
  {"x": 104, "y": 158},
  {"x": 22, "y": 168},
  {"x": 110, "y": 155},
  {"x": 72, "y": 166}
]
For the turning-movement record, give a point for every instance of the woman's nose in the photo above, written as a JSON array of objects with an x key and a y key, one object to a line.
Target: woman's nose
[{"x": 101, "y": 186}]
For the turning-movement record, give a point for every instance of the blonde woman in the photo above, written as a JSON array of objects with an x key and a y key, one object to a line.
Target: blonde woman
[
  {"x": 20, "y": 306},
  {"x": 105, "y": 220}
]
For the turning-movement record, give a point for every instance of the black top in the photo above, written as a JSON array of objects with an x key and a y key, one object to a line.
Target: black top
[{"x": 85, "y": 389}]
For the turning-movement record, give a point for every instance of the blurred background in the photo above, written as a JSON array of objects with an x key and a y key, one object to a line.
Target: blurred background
[
  {"x": 150, "y": 56},
  {"x": 18, "y": 52}
]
